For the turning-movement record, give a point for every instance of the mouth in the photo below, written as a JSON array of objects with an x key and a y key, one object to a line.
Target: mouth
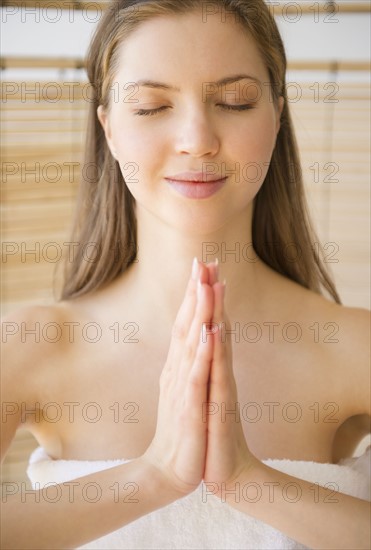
[
  {"x": 195, "y": 176},
  {"x": 196, "y": 189}
]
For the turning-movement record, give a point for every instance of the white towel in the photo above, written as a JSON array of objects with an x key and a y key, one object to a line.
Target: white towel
[{"x": 200, "y": 520}]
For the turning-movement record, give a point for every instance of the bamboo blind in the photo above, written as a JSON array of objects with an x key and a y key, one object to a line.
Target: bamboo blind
[
  {"x": 42, "y": 137},
  {"x": 334, "y": 140}
]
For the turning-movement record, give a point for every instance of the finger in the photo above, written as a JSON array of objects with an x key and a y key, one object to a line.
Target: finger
[
  {"x": 202, "y": 318},
  {"x": 203, "y": 312},
  {"x": 186, "y": 312},
  {"x": 197, "y": 386},
  {"x": 222, "y": 385},
  {"x": 219, "y": 372},
  {"x": 196, "y": 394},
  {"x": 213, "y": 268}
]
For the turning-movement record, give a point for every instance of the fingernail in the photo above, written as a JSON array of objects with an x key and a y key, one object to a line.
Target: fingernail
[{"x": 195, "y": 269}]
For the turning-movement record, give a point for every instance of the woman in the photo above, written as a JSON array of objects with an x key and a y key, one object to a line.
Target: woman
[{"x": 183, "y": 418}]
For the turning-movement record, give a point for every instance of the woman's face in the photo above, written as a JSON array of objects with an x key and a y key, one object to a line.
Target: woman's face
[{"x": 197, "y": 127}]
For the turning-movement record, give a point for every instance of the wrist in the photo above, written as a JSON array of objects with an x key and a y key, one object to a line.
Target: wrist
[
  {"x": 163, "y": 481},
  {"x": 248, "y": 475}
]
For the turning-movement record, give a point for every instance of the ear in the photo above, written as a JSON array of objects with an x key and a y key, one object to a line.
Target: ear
[
  {"x": 280, "y": 105},
  {"x": 104, "y": 120}
]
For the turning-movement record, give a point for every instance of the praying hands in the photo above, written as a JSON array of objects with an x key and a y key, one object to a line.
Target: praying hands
[{"x": 191, "y": 445}]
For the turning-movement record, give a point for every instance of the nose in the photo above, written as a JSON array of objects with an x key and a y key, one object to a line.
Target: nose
[{"x": 196, "y": 134}]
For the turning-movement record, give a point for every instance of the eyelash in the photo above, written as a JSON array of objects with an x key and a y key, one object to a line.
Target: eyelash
[{"x": 151, "y": 112}]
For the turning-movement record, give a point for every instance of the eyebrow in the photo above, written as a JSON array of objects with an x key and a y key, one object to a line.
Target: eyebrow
[{"x": 218, "y": 83}]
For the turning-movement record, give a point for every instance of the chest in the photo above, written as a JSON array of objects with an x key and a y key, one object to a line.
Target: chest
[{"x": 107, "y": 403}]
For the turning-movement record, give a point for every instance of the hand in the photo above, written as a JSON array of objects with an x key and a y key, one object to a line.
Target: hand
[
  {"x": 227, "y": 452},
  {"x": 178, "y": 448}
]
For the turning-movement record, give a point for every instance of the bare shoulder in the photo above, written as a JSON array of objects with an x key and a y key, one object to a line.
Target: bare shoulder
[
  {"x": 30, "y": 325},
  {"x": 28, "y": 342},
  {"x": 32, "y": 338},
  {"x": 41, "y": 344},
  {"x": 353, "y": 353},
  {"x": 342, "y": 336},
  {"x": 26, "y": 335},
  {"x": 355, "y": 322},
  {"x": 353, "y": 325},
  {"x": 349, "y": 358}
]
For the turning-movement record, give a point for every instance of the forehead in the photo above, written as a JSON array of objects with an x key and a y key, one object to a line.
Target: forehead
[{"x": 184, "y": 48}]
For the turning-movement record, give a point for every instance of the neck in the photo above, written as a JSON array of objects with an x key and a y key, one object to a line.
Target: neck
[{"x": 164, "y": 259}]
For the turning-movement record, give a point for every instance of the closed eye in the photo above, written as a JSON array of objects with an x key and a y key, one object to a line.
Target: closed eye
[
  {"x": 236, "y": 107},
  {"x": 151, "y": 112}
]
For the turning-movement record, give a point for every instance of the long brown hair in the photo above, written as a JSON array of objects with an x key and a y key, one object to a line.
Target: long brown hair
[{"x": 105, "y": 212}]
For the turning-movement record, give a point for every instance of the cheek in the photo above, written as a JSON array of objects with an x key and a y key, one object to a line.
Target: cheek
[
  {"x": 130, "y": 145},
  {"x": 141, "y": 162},
  {"x": 260, "y": 132},
  {"x": 252, "y": 149}
]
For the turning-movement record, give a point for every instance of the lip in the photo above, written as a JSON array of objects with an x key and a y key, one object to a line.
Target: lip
[
  {"x": 196, "y": 177},
  {"x": 196, "y": 189}
]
